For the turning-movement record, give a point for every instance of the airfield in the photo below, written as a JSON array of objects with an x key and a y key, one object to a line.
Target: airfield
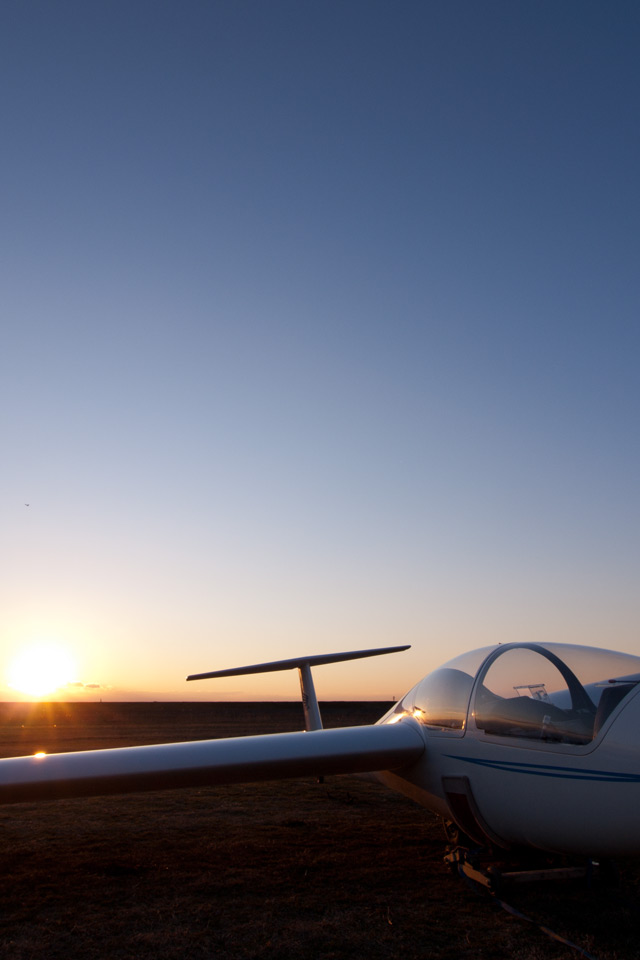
[{"x": 335, "y": 870}]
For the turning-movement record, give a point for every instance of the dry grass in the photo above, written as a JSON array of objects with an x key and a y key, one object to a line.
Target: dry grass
[{"x": 273, "y": 871}]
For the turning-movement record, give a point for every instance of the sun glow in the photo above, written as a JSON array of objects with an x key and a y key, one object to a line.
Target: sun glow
[{"x": 40, "y": 669}]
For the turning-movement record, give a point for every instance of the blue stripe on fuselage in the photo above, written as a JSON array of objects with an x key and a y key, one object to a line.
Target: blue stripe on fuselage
[{"x": 544, "y": 770}]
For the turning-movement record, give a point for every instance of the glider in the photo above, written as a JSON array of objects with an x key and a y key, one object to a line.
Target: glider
[{"x": 523, "y": 745}]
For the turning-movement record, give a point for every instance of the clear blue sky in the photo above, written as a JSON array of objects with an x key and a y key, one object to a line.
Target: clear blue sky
[{"x": 320, "y": 331}]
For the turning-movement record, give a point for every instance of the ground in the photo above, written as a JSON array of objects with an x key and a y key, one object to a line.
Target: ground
[{"x": 336, "y": 870}]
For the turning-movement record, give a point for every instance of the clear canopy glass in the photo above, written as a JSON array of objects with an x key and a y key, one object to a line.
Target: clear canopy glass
[{"x": 553, "y": 692}]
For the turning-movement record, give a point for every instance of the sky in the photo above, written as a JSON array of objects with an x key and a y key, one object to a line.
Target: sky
[{"x": 320, "y": 332}]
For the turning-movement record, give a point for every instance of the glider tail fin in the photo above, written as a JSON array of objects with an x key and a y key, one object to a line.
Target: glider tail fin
[{"x": 312, "y": 718}]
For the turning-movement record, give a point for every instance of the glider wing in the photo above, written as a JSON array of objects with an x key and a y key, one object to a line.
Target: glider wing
[{"x": 210, "y": 762}]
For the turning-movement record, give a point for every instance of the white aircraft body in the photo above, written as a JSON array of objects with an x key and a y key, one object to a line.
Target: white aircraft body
[{"x": 520, "y": 745}]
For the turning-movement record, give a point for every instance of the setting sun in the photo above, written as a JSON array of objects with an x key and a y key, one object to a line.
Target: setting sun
[{"x": 40, "y": 669}]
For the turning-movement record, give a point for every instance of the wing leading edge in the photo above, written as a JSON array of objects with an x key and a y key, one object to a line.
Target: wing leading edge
[{"x": 210, "y": 762}]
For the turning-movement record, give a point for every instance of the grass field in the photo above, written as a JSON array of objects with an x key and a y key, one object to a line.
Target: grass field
[{"x": 278, "y": 871}]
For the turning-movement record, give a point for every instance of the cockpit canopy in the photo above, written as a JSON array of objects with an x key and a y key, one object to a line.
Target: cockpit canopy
[{"x": 554, "y": 692}]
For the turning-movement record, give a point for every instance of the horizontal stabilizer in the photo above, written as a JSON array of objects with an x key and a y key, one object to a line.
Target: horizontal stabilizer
[
  {"x": 314, "y": 661},
  {"x": 312, "y": 718},
  {"x": 210, "y": 762}
]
